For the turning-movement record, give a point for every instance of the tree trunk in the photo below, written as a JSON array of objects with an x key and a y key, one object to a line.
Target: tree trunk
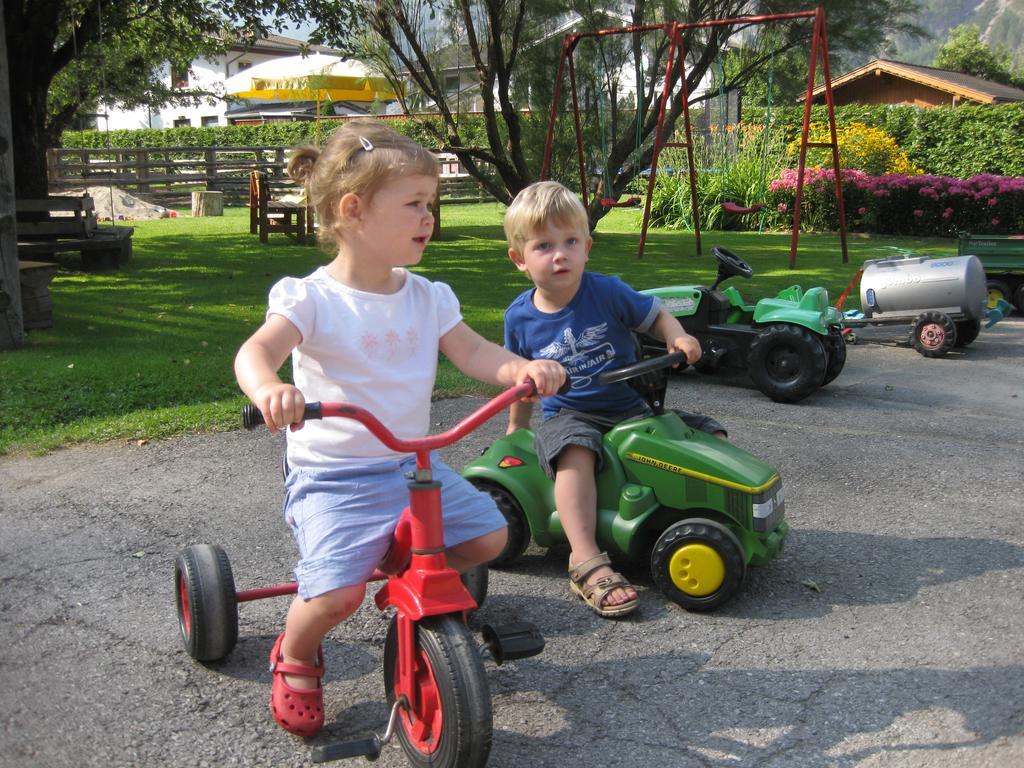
[
  {"x": 12, "y": 331},
  {"x": 30, "y": 143},
  {"x": 208, "y": 203}
]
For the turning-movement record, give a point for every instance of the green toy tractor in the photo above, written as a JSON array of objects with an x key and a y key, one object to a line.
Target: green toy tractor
[
  {"x": 699, "y": 507},
  {"x": 790, "y": 345}
]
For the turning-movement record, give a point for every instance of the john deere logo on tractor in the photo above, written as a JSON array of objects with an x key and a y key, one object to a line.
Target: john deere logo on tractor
[{"x": 657, "y": 463}]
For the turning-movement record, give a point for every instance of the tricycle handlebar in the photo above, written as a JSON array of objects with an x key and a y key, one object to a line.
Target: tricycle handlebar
[{"x": 252, "y": 418}]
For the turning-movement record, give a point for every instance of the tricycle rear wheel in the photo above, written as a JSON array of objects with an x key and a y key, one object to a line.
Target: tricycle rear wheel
[
  {"x": 450, "y": 723},
  {"x": 698, "y": 564},
  {"x": 207, "y": 603}
]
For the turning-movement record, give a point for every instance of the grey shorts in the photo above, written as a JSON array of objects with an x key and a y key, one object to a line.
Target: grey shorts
[{"x": 569, "y": 427}]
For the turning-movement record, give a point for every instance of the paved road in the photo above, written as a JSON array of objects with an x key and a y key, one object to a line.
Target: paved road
[{"x": 904, "y": 494}]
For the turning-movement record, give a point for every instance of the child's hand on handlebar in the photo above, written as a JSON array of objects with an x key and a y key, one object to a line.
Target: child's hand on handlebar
[
  {"x": 281, "y": 405},
  {"x": 547, "y": 375}
]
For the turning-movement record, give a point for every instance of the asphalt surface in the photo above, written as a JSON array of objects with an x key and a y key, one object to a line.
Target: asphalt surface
[{"x": 890, "y": 632}]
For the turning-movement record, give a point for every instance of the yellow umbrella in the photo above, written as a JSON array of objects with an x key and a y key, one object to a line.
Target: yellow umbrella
[{"x": 309, "y": 78}]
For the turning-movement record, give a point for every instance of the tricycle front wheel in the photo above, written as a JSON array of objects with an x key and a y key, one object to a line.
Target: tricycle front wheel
[
  {"x": 207, "y": 603},
  {"x": 449, "y": 722},
  {"x": 698, "y": 564}
]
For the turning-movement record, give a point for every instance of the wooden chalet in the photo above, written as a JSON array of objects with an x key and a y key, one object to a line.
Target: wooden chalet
[{"x": 892, "y": 82}]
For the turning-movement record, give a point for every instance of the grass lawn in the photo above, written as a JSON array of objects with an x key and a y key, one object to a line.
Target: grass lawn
[{"x": 146, "y": 351}]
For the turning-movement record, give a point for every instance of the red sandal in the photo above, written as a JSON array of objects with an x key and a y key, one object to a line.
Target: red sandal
[{"x": 297, "y": 710}]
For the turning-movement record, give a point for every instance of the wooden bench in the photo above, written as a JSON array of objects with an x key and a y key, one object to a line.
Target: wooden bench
[
  {"x": 36, "y": 305},
  {"x": 266, "y": 215},
  {"x": 57, "y": 224}
]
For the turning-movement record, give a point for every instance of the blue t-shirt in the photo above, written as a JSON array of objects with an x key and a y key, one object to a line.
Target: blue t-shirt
[{"x": 589, "y": 335}]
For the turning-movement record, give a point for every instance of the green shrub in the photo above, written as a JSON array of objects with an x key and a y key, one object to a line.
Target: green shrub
[{"x": 951, "y": 141}]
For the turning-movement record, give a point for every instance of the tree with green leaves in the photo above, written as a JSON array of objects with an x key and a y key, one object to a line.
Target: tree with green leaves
[
  {"x": 66, "y": 56},
  {"x": 513, "y": 48},
  {"x": 965, "y": 51}
]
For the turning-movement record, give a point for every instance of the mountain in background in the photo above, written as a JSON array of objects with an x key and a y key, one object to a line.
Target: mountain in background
[{"x": 1001, "y": 23}]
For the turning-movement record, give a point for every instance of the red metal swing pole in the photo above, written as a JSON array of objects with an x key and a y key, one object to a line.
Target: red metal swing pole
[
  {"x": 553, "y": 115},
  {"x": 584, "y": 191},
  {"x": 835, "y": 142},
  {"x": 656, "y": 150}
]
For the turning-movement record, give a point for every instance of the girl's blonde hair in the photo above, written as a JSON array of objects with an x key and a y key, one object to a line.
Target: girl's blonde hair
[
  {"x": 360, "y": 157},
  {"x": 540, "y": 203}
]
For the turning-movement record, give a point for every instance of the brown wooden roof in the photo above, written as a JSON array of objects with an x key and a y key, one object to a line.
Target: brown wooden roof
[{"x": 957, "y": 83}]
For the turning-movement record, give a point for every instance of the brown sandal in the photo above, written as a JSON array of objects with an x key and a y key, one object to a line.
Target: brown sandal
[{"x": 594, "y": 594}]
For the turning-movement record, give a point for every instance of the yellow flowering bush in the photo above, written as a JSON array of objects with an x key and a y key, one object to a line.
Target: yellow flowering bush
[{"x": 861, "y": 147}]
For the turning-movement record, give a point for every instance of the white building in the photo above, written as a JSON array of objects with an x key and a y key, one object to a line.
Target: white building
[{"x": 209, "y": 75}]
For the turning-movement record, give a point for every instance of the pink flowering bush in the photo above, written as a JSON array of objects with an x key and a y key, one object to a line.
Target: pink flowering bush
[{"x": 898, "y": 204}]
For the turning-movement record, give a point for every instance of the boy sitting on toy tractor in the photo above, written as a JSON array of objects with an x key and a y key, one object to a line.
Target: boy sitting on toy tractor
[{"x": 584, "y": 321}]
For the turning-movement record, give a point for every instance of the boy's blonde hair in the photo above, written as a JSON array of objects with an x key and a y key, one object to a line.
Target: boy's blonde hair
[
  {"x": 360, "y": 157},
  {"x": 540, "y": 203}
]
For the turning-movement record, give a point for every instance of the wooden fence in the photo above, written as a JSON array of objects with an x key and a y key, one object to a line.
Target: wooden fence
[{"x": 168, "y": 175}]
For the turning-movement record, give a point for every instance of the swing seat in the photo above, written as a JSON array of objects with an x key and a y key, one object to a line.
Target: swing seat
[
  {"x": 610, "y": 202},
  {"x": 739, "y": 210}
]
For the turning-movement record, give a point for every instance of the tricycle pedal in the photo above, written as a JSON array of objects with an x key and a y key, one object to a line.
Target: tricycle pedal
[
  {"x": 518, "y": 640},
  {"x": 368, "y": 748}
]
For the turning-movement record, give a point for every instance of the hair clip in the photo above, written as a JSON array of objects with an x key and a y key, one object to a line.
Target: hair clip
[{"x": 367, "y": 145}]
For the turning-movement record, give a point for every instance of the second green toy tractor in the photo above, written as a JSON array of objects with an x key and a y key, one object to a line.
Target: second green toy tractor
[
  {"x": 700, "y": 508},
  {"x": 790, "y": 344}
]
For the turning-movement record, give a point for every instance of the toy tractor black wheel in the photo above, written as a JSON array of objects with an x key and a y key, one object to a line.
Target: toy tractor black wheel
[
  {"x": 515, "y": 518},
  {"x": 698, "y": 564},
  {"x": 207, "y": 604},
  {"x": 1018, "y": 299},
  {"x": 835, "y": 346},
  {"x": 933, "y": 334},
  {"x": 475, "y": 580},
  {"x": 787, "y": 362},
  {"x": 967, "y": 331}
]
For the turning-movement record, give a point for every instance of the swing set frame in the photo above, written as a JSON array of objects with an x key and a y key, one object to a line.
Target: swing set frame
[{"x": 677, "y": 53}]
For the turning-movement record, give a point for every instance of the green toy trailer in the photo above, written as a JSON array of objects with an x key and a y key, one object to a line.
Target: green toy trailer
[{"x": 1002, "y": 256}]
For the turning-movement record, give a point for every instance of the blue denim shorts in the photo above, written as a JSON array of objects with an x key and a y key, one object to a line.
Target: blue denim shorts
[{"x": 343, "y": 519}]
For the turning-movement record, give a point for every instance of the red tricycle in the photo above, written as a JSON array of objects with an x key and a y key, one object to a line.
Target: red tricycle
[{"x": 437, "y": 692}]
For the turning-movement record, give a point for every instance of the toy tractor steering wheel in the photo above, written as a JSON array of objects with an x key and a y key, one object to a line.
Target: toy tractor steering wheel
[
  {"x": 731, "y": 265},
  {"x": 641, "y": 368}
]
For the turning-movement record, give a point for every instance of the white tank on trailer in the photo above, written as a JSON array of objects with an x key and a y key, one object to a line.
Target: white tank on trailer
[{"x": 906, "y": 286}]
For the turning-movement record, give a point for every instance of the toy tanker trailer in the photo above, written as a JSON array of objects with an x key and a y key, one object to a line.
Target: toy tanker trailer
[{"x": 944, "y": 300}]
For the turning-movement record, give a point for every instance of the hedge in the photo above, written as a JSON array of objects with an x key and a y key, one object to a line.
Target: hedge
[
  {"x": 960, "y": 142},
  {"x": 266, "y": 135}
]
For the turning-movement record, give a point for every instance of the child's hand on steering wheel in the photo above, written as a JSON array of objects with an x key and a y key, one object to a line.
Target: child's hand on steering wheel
[{"x": 686, "y": 344}]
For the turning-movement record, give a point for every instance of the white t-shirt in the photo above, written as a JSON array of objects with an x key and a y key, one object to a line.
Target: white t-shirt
[{"x": 377, "y": 351}]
